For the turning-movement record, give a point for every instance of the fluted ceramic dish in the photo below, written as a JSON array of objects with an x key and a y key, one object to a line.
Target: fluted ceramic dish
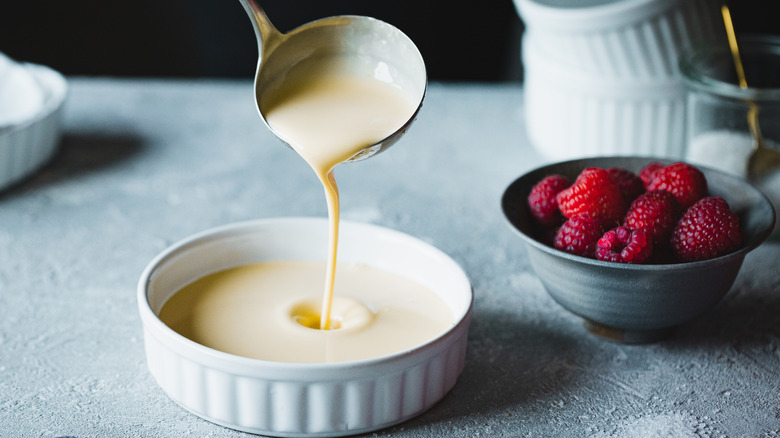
[
  {"x": 571, "y": 114},
  {"x": 620, "y": 39},
  {"x": 636, "y": 303},
  {"x": 296, "y": 399},
  {"x": 28, "y": 144}
]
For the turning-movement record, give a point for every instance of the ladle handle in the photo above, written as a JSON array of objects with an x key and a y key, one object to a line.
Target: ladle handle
[
  {"x": 732, "y": 38},
  {"x": 267, "y": 35}
]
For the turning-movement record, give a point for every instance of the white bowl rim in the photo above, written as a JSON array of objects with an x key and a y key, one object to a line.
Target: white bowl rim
[
  {"x": 55, "y": 88},
  {"x": 594, "y": 18},
  {"x": 250, "y": 366}
]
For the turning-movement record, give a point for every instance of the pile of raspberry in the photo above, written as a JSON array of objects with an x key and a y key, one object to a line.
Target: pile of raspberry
[{"x": 663, "y": 214}]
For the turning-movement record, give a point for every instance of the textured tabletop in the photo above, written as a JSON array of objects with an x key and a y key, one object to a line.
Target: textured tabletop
[{"x": 145, "y": 163}]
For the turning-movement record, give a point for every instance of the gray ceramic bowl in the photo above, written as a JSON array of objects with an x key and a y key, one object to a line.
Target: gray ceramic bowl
[{"x": 637, "y": 303}]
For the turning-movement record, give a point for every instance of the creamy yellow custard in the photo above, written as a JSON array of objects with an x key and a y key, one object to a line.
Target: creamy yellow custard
[
  {"x": 270, "y": 311},
  {"x": 327, "y": 114}
]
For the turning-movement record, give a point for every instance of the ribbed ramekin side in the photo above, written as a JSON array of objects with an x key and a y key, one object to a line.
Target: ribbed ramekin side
[
  {"x": 646, "y": 48},
  {"x": 302, "y": 407},
  {"x": 24, "y": 150},
  {"x": 564, "y": 123}
]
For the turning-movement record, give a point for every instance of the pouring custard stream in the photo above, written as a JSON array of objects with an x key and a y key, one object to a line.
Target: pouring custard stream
[{"x": 327, "y": 114}]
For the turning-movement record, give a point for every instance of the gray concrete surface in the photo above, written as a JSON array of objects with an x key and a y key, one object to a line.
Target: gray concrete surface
[{"x": 146, "y": 163}]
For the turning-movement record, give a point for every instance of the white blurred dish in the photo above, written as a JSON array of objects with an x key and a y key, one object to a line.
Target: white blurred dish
[
  {"x": 297, "y": 399},
  {"x": 30, "y": 135},
  {"x": 571, "y": 114},
  {"x": 21, "y": 96},
  {"x": 639, "y": 39}
]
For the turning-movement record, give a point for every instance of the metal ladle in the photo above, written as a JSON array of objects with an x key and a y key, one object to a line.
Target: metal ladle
[
  {"x": 373, "y": 47},
  {"x": 762, "y": 159}
]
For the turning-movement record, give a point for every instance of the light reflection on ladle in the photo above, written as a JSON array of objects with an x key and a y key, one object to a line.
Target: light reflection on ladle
[
  {"x": 378, "y": 49},
  {"x": 336, "y": 90}
]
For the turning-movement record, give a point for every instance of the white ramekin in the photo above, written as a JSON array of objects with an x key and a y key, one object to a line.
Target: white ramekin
[
  {"x": 294, "y": 399},
  {"x": 571, "y": 114},
  {"x": 620, "y": 38},
  {"x": 27, "y": 145}
]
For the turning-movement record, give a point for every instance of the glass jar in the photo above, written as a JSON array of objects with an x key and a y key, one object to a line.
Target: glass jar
[{"x": 717, "y": 131}]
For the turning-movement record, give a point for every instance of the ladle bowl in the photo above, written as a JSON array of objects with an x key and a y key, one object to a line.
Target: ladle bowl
[{"x": 369, "y": 48}]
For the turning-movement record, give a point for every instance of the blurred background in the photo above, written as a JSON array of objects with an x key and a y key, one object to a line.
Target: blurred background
[{"x": 460, "y": 41}]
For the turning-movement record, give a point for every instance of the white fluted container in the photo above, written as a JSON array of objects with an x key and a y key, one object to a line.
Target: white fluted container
[
  {"x": 294, "y": 399},
  {"x": 570, "y": 114},
  {"x": 28, "y": 144},
  {"x": 640, "y": 39}
]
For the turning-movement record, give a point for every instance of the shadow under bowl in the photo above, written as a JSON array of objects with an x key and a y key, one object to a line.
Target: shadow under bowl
[{"x": 644, "y": 302}]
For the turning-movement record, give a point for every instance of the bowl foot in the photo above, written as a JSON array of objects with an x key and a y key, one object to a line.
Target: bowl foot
[{"x": 626, "y": 336}]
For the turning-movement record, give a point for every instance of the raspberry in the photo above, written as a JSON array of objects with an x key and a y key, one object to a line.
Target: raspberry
[
  {"x": 629, "y": 184},
  {"x": 578, "y": 235},
  {"x": 656, "y": 213},
  {"x": 708, "y": 229},
  {"x": 593, "y": 192},
  {"x": 542, "y": 201},
  {"x": 624, "y": 245},
  {"x": 684, "y": 181},
  {"x": 648, "y": 172}
]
